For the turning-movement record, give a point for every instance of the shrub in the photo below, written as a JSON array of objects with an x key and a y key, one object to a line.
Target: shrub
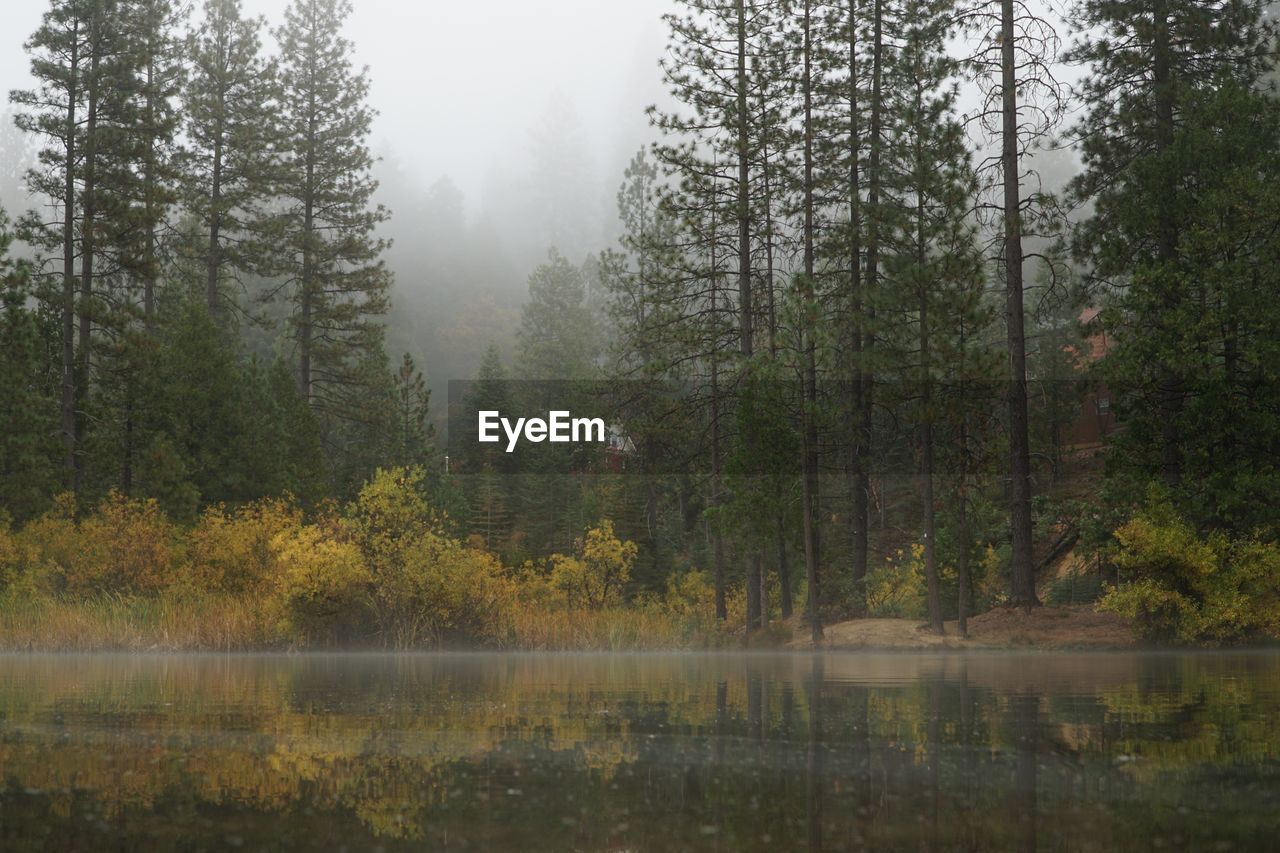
[
  {"x": 598, "y": 571},
  {"x": 427, "y": 586},
  {"x": 323, "y": 585},
  {"x": 126, "y": 546},
  {"x": 1185, "y": 587},
  {"x": 232, "y": 552},
  {"x": 897, "y": 588},
  {"x": 10, "y": 561},
  {"x": 442, "y": 590},
  {"x": 392, "y": 508}
]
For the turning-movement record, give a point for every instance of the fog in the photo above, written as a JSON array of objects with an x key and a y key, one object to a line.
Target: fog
[
  {"x": 483, "y": 112},
  {"x": 502, "y": 129},
  {"x": 459, "y": 87}
]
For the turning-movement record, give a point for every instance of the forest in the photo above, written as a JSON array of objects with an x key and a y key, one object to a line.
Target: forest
[{"x": 908, "y": 309}]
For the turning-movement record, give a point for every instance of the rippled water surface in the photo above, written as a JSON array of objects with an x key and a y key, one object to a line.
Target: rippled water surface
[{"x": 641, "y": 752}]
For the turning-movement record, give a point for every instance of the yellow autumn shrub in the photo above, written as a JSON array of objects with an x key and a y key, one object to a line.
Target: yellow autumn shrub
[
  {"x": 10, "y": 561},
  {"x": 597, "y": 573},
  {"x": 124, "y": 546},
  {"x": 897, "y": 588},
  {"x": 1181, "y": 586},
  {"x": 427, "y": 587},
  {"x": 231, "y": 551},
  {"x": 51, "y": 546},
  {"x": 322, "y": 586},
  {"x": 445, "y": 591}
]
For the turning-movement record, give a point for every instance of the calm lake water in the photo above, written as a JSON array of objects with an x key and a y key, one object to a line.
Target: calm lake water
[{"x": 641, "y": 752}]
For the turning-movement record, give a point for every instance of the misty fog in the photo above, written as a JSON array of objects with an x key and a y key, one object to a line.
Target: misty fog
[{"x": 502, "y": 131}]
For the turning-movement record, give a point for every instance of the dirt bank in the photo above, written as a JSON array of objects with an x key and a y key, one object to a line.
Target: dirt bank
[{"x": 1078, "y": 627}]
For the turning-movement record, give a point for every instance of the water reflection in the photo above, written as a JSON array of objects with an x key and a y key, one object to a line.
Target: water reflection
[{"x": 640, "y": 752}]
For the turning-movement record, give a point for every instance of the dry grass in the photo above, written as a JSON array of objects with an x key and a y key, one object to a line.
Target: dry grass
[
  {"x": 229, "y": 623},
  {"x": 607, "y": 629},
  {"x": 131, "y": 623}
]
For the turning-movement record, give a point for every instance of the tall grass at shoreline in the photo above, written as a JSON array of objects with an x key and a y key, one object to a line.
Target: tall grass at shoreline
[{"x": 192, "y": 623}]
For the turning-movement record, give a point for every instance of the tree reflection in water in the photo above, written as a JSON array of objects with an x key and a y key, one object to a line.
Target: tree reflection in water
[{"x": 716, "y": 752}]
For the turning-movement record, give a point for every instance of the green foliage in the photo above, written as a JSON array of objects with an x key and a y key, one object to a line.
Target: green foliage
[
  {"x": 1181, "y": 586},
  {"x": 328, "y": 251},
  {"x": 231, "y": 116},
  {"x": 897, "y": 588},
  {"x": 28, "y": 388}
]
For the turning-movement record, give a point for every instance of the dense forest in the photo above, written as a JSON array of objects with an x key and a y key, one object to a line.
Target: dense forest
[{"x": 915, "y": 309}]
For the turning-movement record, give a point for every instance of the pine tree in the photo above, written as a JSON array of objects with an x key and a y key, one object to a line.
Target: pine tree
[
  {"x": 28, "y": 386},
  {"x": 558, "y": 336},
  {"x": 1023, "y": 104},
  {"x": 1153, "y": 65},
  {"x": 158, "y": 74},
  {"x": 228, "y": 163},
  {"x": 335, "y": 279},
  {"x": 85, "y": 109},
  {"x": 413, "y": 433},
  {"x": 934, "y": 267}
]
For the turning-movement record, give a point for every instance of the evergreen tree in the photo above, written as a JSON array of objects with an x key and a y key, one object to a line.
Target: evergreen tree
[
  {"x": 335, "y": 279},
  {"x": 28, "y": 386},
  {"x": 558, "y": 337},
  {"x": 231, "y": 112},
  {"x": 934, "y": 267},
  {"x": 1165, "y": 75},
  {"x": 412, "y": 442},
  {"x": 81, "y": 108}
]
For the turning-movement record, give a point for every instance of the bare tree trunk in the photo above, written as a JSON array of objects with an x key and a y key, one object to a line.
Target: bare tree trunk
[
  {"x": 1022, "y": 571},
  {"x": 866, "y": 379},
  {"x": 962, "y": 556},
  {"x": 87, "y": 249},
  {"x": 717, "y": 547},
  {"x": 858, "y": 486},
  {"x": 746, "y": 317},
  {"x": 929, "y": 516},
  {"x": 784, "y": 568},
  {"x": 810, "y": 438},
  {"x": 68, "y": 388},
  {"x": 1167, "y": 248}
]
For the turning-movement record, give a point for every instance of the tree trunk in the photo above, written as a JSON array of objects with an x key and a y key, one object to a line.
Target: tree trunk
[
  {"x": 810, "y": 438},
  {"x": 87, "y": 249},
  {"x": 1022, "y": 572},
  {"x": 784, "y": 568},
  {"x": 68, "y": 386},
  {"x": 858, "y": 482},
  {"x": 1167, "y": 248}
]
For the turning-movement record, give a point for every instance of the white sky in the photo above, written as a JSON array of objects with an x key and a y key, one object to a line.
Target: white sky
[{"x": 458, "y": 86}]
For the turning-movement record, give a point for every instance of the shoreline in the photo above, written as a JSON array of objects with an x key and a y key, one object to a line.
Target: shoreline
[{"x": 1079, "y": 628}]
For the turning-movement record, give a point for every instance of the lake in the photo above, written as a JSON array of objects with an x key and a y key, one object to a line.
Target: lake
[{"x": 659, "y": 752}]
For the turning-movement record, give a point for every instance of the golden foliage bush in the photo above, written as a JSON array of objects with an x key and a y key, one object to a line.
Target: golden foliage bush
[
  {"x": 380, "y": 570},
  {"x": 231, "y": 551},
  {"x": 444, "y": 591},
  {"x": 897, "y": 588},
  {"x": 125, "y": 546},
  {"x": 322, "y": 588},
  {"x": 1184, "y": 587},
  {"x": 427, "y": 587},
  {"x": 597, "y": 573}
]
